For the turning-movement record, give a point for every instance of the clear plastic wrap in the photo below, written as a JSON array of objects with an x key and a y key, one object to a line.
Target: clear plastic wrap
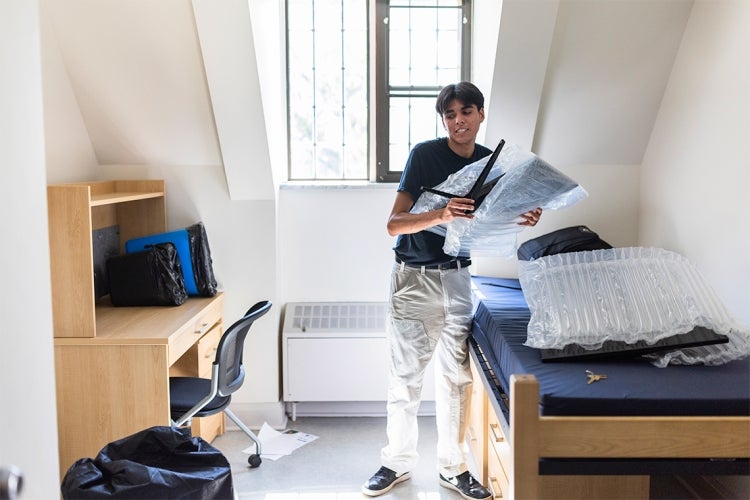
[
  {"x": 626, "y": 294},
  {"x": 529, "y": 182}
]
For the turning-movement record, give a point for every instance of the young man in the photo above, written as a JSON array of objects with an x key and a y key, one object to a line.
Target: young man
[{"x": 431, "y": 305}]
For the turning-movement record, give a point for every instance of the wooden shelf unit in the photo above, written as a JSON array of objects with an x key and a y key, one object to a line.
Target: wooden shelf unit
[
  {"x": 75, "y": 211},
  {"x": 112, "y": 364}
]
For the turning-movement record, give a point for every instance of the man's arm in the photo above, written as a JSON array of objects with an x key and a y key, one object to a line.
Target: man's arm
[{"x": 403, "y": 222}]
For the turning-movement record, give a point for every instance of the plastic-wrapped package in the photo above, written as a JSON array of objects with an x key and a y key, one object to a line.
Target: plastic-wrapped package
[
  {"x": 152, "y": 277},
  {"x": 626, "y": 294},
  {"x": 528, "y": 182},
  {"x": 202, "y": 263},
  {"x": 193, "y": 252}
]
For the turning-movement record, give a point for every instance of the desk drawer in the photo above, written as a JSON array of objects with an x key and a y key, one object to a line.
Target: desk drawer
[
  {"x": 498, "y": 460},
  {"x": 206, "y": 350},
  {"x": 196, "y": 362},
  {"x": 208, "y": 318},
  {"x": 497, "y": 480},
  {"x": 194, "y": 330},
  {"x": 476, "y": 428}
]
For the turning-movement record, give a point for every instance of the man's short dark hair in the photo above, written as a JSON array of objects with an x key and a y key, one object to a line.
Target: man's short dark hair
[{"x": 466, "y": 92}]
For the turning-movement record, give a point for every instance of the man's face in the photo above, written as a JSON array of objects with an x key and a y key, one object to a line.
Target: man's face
[{"x": 462, "y": 121}]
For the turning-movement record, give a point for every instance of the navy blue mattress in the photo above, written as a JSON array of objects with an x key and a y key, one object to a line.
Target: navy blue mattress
[{"x": 632, "y": 387}]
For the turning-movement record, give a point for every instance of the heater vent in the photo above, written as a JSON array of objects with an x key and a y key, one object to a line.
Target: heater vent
[{"x": 320, "y": 317}]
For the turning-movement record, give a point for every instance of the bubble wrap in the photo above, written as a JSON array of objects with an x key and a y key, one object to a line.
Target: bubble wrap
[
  {"x": 529, "y": 182},
  {"x": 626, "y": 294}
]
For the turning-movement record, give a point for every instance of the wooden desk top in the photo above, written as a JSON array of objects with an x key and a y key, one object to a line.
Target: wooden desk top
[{"x": 150, "y": 325}]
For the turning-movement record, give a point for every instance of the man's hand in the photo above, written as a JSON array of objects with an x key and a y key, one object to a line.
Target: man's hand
[
  {"x": 458, "y": 208},
  {"x": 531, "y": 217}
]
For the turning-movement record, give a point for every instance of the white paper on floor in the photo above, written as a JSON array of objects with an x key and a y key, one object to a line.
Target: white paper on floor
[{"x": 276, "y": 444}]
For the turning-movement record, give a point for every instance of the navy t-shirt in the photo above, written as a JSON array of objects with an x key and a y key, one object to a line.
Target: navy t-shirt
[{"x": 429, "y": 164}]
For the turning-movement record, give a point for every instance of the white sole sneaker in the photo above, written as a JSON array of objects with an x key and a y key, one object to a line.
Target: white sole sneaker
[
  {"x": 374, "y": 493},
  {"x": 446, "y": 483}
]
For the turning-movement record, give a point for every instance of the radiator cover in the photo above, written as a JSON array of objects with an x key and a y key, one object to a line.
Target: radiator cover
[{"x": 337, "y": 352}]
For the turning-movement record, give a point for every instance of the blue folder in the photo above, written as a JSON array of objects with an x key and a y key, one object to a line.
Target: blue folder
[{"x": 181, "y": 241}]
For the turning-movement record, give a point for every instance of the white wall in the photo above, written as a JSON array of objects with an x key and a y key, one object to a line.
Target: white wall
[
  {"x": 229, "y": 57},
  {"x": 696, "y": 170},
  {"x": 28, "y": 434},
  {"x": 608, "y": 66},
  {"x": 333, "y": 243},
  {"x": 69, "y": 153},
  {"x": 138, "y": 79}
]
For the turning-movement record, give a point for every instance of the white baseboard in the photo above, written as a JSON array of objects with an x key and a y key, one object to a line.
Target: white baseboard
[
  {"x": 254, "y": 415},
  {"x": 277, "y": 414},
  {"x": 347, "y": 409}
]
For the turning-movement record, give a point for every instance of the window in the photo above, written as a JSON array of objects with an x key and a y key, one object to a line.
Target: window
[
  {"x": 425, "y": 45},
  {"x": 421, "y": 45},
  {"x": 327, "y": 85}
]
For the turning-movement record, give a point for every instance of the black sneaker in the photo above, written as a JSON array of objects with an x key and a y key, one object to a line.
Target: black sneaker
[
  {"x": 382, "y": 481},
  {"x": 466, "y": 485}
]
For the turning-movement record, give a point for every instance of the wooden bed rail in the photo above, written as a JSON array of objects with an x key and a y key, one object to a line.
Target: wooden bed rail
[
  {"x": 533, "y": 437},
  {"x": 656, "y": 437}
]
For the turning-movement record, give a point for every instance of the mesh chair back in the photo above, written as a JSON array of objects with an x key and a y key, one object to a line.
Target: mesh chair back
[{"x": 229, "y": 351}]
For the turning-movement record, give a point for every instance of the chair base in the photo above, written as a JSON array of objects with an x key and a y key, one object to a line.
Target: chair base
[{"x": 254, "y": 460}]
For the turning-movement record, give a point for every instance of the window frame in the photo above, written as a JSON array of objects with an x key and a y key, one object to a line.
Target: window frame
[
  {"x": 368, "y": 142},
  {"x": 379, "y": 93},
  {"x": 384, "y": 172}
]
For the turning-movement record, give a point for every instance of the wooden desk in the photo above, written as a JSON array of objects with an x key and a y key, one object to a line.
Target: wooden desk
[{"x": 117, "y": 383}]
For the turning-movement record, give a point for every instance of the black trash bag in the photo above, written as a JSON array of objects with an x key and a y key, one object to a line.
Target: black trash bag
[
  {"x": 200, "y": 255},
  {"x": 157, "y": 463},
  {"x": 152, "y": 277}
]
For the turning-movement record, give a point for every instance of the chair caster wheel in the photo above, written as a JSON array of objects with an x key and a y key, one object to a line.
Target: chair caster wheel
[{"x": 254, "y": 460}]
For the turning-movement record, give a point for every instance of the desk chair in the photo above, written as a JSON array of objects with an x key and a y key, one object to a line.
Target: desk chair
[{"x": 200, "y": 397}]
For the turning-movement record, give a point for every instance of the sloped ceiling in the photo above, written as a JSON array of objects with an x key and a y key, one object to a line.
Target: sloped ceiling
[
  {"x": 608, "y": 68},
  {"x": 138, "y": 77},
  {"x": 138, "y": 74}
]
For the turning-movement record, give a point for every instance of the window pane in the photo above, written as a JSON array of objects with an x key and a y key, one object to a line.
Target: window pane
[
  {"x": 424, "y": 40},
  {"x": 399, "y": 123},
  {"x": 301, "y": 158},
  {"x": 424, "y": 120},
  {"x": 412, "y": 120},
  {"x": 433, "y": 39},
  {"x": 327, "y": 89}
]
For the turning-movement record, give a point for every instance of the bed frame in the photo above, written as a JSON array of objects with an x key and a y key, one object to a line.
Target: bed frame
[{"x": 507, "y": 451}]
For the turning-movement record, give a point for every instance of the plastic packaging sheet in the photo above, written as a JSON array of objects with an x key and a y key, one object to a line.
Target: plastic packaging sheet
[
  {"x": 529, "y": 182},
  {"x": 200, "y": 254},
  {"x": 626, "y": 294}
]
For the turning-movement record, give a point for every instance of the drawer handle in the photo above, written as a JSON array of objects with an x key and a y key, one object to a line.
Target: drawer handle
[
  {"x": 497, "y": 433},
  {"x": 203, "y": 329},
  {"x": 497, "y": 491}
]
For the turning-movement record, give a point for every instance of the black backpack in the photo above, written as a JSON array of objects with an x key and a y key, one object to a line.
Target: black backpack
[{"x": 569, "y": 239}]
